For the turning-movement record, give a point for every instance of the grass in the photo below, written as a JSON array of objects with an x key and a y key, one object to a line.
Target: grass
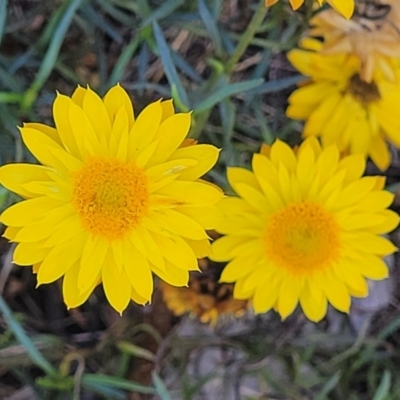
[{"x": 225, "y": 60}]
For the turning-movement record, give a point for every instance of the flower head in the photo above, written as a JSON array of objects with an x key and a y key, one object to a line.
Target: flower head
[
  {"x": 305, "y": 228},
  {"x": 344, "y": 7},
  {"x": 341, "y": 107},
  {"x": 204, "y": 298},
  {"x": 372, "y": 35},
  {"x": 115, "y": 199}
]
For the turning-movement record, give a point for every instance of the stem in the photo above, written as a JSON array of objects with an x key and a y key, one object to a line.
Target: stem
[{"x": 247, "y": 36}]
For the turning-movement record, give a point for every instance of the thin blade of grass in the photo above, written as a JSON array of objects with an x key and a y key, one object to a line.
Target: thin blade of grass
[
  {"x": 161, "y": 389},
  {"x": 211, "y": 26},
  {"x": 33, "y": 353},
  {"x": 51, "y": 56},
  {"x": 91, "y": 380},
  {"x": 3, "y": 17},
  {"x": 230, "y": 90},
  {"x": 169, "y": 67},
  {"x": 384, "y": 387},
  {"x": 163, "y": 11}
]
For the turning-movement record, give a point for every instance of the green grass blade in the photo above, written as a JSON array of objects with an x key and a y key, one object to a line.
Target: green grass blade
[
  {"x": 123, "y": 60},
  {"x": 33, "y": 353},
  {"x": 225, "y": 92},
  {"x": 169, "y": 67},
  {"x": 91, "y": 380},
  {"x": 161, "y": 389},
  {"x": 3, "y": 17},
  {"x": 211, "y": 26},
  {"x": 53, "y": 50},
  {"x": 384, "y": 387},
  {"x": 163, "y": 11}
]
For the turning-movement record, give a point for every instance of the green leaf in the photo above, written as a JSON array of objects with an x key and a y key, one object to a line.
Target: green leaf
[
  {"x": 136, "y": 351},
  {"x": 51, "y": 56},
  {"x": 225, "y": 92},
  {"x": 91, "y": 380},
  {"x": 123, "y": 60},
  {"x": 211, "y": 26},
  {"x": 3, "y": 17},
  {"x": 332, "y": 382},
  {"x": 169, "y": 67},
  {"x": 33, "y": 353},
  {"x": 163, "y": 11},
  {"x": 384, "y": 387},
  {"x": 161, "y": 389},
  {"x": 276, "y": 85}
]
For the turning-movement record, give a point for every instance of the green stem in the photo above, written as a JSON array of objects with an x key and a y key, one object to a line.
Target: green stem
[
  {"x": 247, "y": 36},
  {"x": 34, "y": 354}
]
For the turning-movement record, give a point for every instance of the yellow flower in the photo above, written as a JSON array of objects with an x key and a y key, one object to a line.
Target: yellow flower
[
  {"x": 306, "y": 228},
  {"x": 344, "y": 7},
  {"x": 356, "y": 115},
  {"x": 372, "y": 35},
  {"x": 204, "y": 298},
  {"x": 115, "y": 199}
]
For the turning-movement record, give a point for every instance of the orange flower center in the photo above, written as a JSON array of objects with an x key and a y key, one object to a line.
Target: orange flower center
[
  {"x": 302, "y": 238},
  {"x": 110, "y": 196}
]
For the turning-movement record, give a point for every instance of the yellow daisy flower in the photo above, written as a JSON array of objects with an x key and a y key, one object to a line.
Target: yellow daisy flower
[
  {"x": 343, "y": 109},
  {"x": 115, "y": 199},
  {"x": 344, "y": 7},
  {"x": 306, "y": 228},
  {"x": 372, "y": 35},
  {"x": 205, "y": 298}
]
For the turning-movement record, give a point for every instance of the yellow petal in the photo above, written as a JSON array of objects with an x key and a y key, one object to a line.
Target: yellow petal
[
  {"x": 238, "y": 175},
  {"x": 43, "y": 228},
  {"x": 171, "y": 134},
  {"x": 205, "y": 155},
  {"x": 173, "y": 275},
  {"x": 72, "y": 297},
  {"x": 368, "y": 243},
  {"x": 138, "y": 271},
  {"x": 60, "y": 114},
  {"x": 177, "y": 252},
  {"x": 283, "y": 153},
  {"x": 289, "y": 295},
  {"x": 209, "y": 217},
  {"x": 97, "y": 114},
  {"x": 144, "y": 129},
  {"x": 116, "y": 285},
  {"x": 167, "y": 109},
  {"x": 14, "y": 176},
  {"x": 178, "y": 223},
  {"x": 314, "y": 307},
  {"x": 144, "y": 242},
  {"x": 116, "y": 98},
  {"x": 29, "y": 253},
  {"x": 59, "y": 260},
  {"x": 344, "y": 7},
  {"x": 118, "y": 146},
  {"x": 94, "y": 251},
  {"x": 28, "y": 211},
  {"x": 82, "y": 129},
  {"x": 47, "y": 130}
]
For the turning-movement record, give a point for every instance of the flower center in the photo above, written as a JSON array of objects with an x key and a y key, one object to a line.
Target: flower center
[
  {"x": 302, "y": 238},
  {"x": 110, "y": 196},
  {"x": 362, "y": 91}
]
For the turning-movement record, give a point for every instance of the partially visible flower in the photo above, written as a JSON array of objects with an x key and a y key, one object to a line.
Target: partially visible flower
[
  {"x": 306, "y": 228},
  {"x": 342, "y": 108},
  {"x": 344, "y": 7},
  {"x": 205, "y": 298},
  {"x": 372, "y": 35},
  {"x": 115, "y": 199}
]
